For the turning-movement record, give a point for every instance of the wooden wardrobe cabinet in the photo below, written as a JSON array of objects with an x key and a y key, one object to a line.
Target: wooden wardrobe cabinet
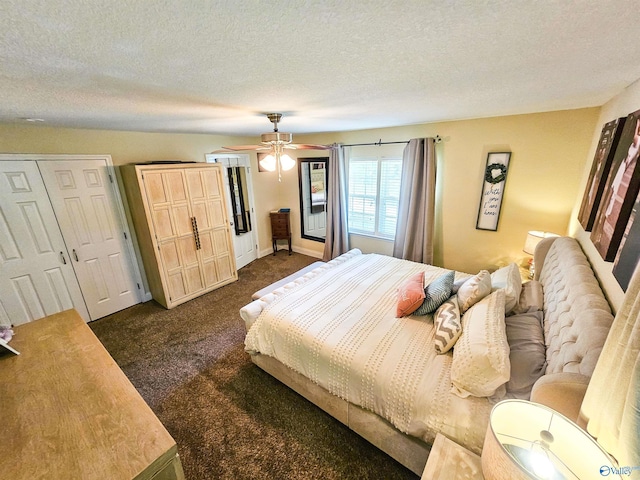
[{"x": 181, "y": 220}]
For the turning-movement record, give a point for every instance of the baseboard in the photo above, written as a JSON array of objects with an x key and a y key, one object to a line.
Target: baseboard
[{"x": 303, "y": 251}]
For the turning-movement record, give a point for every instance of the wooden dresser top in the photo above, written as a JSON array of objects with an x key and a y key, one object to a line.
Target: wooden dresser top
[{"x": 68, "y": 411}]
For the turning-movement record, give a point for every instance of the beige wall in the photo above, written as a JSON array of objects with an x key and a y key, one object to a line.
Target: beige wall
[
  {"x": 620, "y": 106},
  {"x": 550, "y": 152}
]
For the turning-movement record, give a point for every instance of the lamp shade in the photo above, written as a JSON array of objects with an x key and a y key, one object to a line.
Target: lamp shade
[
  {"x": 533, "y": 238},
  {"x": 527, "y": 440},
  {"x": 287, "y": 162},
  {"x": 268, "y": 163}
]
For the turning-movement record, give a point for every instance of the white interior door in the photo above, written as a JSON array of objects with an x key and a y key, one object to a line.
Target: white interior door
[
  {"x": 83, "y": 200},
  {"x": 36, "y": 276},
  {"x": 245, "y": 245}
]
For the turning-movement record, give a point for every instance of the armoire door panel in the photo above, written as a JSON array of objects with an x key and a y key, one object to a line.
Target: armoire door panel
[
  {"x": 216, "y": 208},
  {"x": 206, "y": 246},
  {"x": 177, "y": 188},
  {"x": 197, "y": 189},
  {"x": 213, "y": 182},
  {"x": 194, "y": 279},
  {"x": 37, "y": 277},
  {"x": 170, "y": 256},
  {"x": 210, "y": 274},
  {"x": 224, "y": 266},
  {"x": 199, "y": 211},
  {"x": 155, "y": 188},
  {"x": 188, "y": 250},
  {"x": 164, "y": 228},
  {"x": 177, "y": 286},
  {"x": 83, "y": 199},
  {"x": 220, "y": 242},
  {"x": 182, "y": 219}
]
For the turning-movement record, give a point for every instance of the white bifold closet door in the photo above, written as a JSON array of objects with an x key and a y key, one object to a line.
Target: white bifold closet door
[
  {"x": 62, "y": 243},
  {"x": 36, "y": 276},
  {"x": 83, "y": 202}
]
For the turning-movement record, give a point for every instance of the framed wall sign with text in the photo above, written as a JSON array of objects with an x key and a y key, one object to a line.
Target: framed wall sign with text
[{"x": 495, "y": 177}]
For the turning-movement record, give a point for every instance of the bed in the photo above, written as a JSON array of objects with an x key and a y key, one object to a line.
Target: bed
[{"x": 334, "y": 336}]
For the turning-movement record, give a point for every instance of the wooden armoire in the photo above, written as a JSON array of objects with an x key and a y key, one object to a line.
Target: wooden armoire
[{"x": 182, "y": 224}]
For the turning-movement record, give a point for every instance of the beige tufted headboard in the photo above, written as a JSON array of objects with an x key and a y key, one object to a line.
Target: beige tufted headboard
[{"x": 577, "y": 317}]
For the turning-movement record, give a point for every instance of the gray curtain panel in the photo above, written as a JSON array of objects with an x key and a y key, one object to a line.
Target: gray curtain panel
[
  {"x": 414, "y": 230},
  {"x": 611, "y": 406},
  {"x": 337, "y": 232}
]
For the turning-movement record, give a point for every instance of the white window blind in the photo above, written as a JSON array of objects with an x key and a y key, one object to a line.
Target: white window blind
[{"x": 374, "y": 191}]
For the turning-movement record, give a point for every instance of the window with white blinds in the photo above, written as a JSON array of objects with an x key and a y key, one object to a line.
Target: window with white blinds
[{"x": 374, "y": 191}]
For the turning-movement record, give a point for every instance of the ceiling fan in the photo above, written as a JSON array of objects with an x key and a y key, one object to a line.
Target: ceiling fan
[{"x": 275, "y": 143}]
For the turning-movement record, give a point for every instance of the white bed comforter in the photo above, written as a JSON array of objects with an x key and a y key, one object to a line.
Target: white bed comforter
[{"x": 337, "y": 327}]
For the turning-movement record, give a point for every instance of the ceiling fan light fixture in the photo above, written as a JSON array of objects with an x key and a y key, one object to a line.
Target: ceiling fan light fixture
[
  {"x": 268, "y": 163},
  {"x": 276, "y": 138},
  {"x": 287, "y": 162}
]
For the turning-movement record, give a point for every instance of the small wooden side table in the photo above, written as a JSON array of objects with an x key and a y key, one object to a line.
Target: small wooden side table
[
  {"x": 280, "y": 229},
  {"x": 449, "y": 460}
]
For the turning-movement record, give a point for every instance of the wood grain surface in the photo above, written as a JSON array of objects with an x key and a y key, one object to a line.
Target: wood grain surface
[{"x": 68, "y": 411}]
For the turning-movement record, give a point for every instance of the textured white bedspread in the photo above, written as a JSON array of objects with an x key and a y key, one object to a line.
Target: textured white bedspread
[{"x": 337, "y": 327}]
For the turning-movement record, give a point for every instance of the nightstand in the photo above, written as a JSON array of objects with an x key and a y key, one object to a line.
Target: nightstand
[
  {"x": 449, "y": 460},
  {"x": 280, "y": 229}
]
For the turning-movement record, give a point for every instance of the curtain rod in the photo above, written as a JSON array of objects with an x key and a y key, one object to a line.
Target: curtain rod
[{"x": 437, "y": 139}]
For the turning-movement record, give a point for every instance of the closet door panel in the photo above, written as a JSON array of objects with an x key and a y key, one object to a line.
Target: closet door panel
[
  {"x": 84, "y": 202},
  {"x": 37, "y": 277}
]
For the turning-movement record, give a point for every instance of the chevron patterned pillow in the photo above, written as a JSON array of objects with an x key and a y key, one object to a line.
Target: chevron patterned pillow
[
  {"x": 436, "y": 293},
  {"x": 448, "y": 325}
]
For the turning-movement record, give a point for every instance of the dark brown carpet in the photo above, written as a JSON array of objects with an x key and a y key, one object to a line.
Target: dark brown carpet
[{"x": 230, "y": 419}]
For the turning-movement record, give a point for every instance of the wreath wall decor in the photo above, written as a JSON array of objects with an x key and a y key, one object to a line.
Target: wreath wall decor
[{"x": 495, "y": 177}]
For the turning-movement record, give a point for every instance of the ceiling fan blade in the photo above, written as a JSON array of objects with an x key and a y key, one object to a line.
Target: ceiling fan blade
[
  {"x": 307, "y": 146},
  {"x": 237, "y": 148}
]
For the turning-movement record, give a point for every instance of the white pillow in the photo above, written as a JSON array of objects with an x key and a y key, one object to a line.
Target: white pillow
[
  {"x": 480, "y": 364},
  {"x": 474, "y": 290},
  {"x": 509, "y": 279}
]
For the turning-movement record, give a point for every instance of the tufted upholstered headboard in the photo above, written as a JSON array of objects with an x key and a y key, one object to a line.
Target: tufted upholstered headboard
[{"x": 577, "y": 317}]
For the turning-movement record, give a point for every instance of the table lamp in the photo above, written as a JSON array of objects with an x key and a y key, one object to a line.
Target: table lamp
[
  {"x": 533, "y": 238},
  {"x": 527, "y": 440}
]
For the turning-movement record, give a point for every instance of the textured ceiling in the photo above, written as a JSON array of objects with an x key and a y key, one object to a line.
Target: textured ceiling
[{"x": 217, "y": 66}]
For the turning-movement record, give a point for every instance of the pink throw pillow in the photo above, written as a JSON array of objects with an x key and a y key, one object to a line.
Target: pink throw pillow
[{"x": 410, "y": 295}]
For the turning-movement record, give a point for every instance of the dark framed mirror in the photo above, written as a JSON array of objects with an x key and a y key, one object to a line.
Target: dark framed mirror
[
  {"x": 241, "y": 217},
  {"x": 312, "y": 178}
]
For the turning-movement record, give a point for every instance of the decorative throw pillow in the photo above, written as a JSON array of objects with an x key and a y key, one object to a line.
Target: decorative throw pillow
[
  {"x": 531, "y": 298},
  {"x": 410, "y": 295},
  {"x": 458, "y": 283},
  {"x": 448, "y": 325},
  {"x": 480, "y": 364},
  {"x": 509, "y": 279},
  {"x": 527, "y": 353},
  {"x": 436, "y": 293},
  {"x": 474, "y": 290}
]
